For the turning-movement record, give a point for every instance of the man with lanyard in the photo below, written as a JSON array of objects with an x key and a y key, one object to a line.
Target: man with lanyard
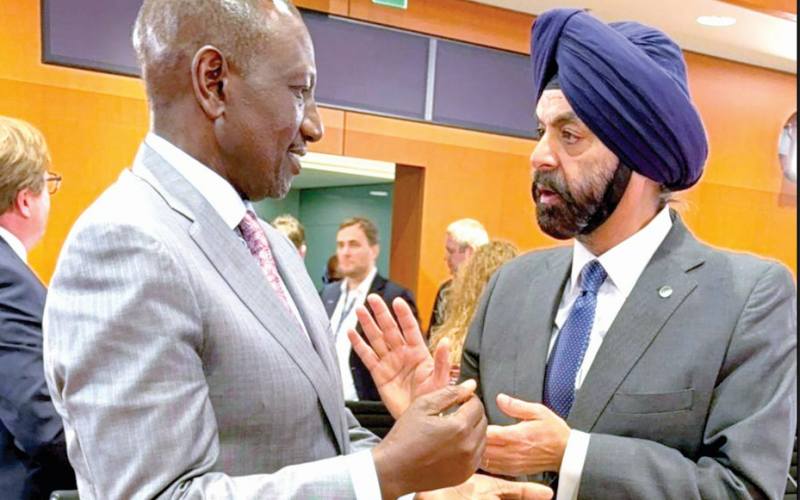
[{"x": 357, "y": 248}]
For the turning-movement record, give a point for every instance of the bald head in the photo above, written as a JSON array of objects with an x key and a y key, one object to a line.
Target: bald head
[{"x": 169, "y": 33}]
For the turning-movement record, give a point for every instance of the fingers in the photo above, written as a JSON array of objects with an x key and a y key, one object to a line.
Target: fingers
[
  {"x": 522, "y": 410},
  {"x": 371, "y": 330},
  {"x": 363, "y": 350},
  {"x": 507, "y": 490},
  {"x": 408, "y": 323},
  {"x": 473, "y": 411},
  {"x": 386, "y": 322},
  {"x": 440, "y": 401},
  {"x": 441, "y": 363}
]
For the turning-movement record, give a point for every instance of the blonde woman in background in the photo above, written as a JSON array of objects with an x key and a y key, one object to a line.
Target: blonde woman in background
[{"x": 463, "y": 298}]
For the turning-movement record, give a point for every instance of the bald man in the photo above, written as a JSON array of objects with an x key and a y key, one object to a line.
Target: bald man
[
  {"x": 639, "y": 363},
  {"x": 185, "y": 345}
]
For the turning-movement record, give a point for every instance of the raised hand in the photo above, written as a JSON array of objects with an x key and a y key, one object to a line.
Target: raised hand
[
  {"x": 535, "y": 445},
  {"x": 431, "y": 448},
  {"x": 397, "y": 357}
]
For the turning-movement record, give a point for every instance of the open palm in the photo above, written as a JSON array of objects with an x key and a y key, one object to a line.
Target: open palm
[{"x": 397, "y": 357}]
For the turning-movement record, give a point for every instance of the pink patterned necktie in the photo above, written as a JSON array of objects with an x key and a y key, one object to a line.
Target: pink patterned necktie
[{"x": 256, "y": 240}]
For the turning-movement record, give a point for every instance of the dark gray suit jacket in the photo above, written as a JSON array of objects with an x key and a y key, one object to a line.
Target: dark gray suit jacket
[
  {"x": 33, "y": 452},
  {"x": 692, "y": 396}
]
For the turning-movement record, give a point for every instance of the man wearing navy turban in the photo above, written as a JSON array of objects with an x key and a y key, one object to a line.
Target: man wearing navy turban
[{"x": 639, "y": 363}]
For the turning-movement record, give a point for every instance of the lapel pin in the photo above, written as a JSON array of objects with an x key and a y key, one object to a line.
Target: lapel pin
[{"x": 665, "y": 292}]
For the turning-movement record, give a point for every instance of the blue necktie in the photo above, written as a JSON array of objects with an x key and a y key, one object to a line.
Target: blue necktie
[{"x": 571, "y": 344}]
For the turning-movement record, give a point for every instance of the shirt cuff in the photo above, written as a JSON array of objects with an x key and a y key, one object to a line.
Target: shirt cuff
[
  {"x": 569, "y": 477},
  {"x": 363, "y": 475}
]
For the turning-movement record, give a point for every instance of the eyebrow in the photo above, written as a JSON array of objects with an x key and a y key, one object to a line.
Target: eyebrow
[{"x": 564, "y": 118}]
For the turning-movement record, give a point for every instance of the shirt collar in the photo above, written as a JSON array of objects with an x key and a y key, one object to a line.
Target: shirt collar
[
  {"x": 625, "y": 263},
  {"x": 15, "y": 244},
  {"x": 365, "y": 285},
  {"x": 216, "y": 190}
]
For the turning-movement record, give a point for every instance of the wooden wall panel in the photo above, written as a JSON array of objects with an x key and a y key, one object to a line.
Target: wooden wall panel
[
  {"x": 332, "y": 142},
  {"x": 407, "y": 217},
  {"x": 744, "y": 109},
  {"x": 786, "y": 9},
  {"x": 338, "y": 7},
  {"x": 92, "y": 138}
]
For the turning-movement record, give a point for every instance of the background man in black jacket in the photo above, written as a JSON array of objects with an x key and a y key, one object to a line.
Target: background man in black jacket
[{"x": 357, "y": 248}]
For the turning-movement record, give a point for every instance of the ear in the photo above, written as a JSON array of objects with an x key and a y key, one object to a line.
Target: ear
[
  {"x": 376, "y": 250},
  {"x": 22, "y": 203},
  {"x": 210, "y": 76}
]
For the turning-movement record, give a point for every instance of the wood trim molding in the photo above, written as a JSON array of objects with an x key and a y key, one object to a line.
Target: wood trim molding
[{"x": 784, "y": 9}]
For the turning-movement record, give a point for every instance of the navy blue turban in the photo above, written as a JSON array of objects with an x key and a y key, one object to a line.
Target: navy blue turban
[{"x": 627, "y": 82}]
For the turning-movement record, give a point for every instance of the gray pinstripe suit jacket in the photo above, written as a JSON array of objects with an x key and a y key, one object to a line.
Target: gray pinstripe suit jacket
[{"x": 177, "y": 370}]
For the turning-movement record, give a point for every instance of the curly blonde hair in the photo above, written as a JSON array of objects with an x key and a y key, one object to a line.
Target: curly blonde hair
[{"x": 467, "y": 288}]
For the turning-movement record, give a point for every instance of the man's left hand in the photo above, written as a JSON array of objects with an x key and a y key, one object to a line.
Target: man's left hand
[
  {"x": 480, "y": 487},
  {"x": 535, "y": 445}
]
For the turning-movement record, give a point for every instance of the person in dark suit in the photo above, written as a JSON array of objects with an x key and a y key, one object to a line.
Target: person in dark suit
[
  {"x": 357, "y": 248},
  {"x": 33, "y": 455},
  {"x": 637, "y": 363}
]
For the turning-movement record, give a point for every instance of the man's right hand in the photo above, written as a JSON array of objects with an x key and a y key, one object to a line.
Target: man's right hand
[{"x": 428, "y": 449}]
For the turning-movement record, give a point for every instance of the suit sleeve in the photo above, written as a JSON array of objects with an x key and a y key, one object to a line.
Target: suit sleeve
[
  {"x": 26, "y": 409},
  {"x": 123, "y": 337},
  {"x": 360, "y": 437},
  {"x": 746, "y": 443}
]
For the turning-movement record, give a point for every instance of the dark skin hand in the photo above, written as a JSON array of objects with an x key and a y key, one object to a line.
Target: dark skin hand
[{"x": 428, "y": 449}]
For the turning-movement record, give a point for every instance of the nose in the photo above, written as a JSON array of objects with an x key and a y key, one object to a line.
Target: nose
[
  {"x": 312, "y": 128},
  {"x": 543, "y": 155}
]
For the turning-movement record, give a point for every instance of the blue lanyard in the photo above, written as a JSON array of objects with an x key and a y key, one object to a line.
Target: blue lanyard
[{"x": 347, "y": 309}]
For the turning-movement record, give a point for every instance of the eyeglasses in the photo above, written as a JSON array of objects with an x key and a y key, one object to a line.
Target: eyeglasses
[{"x": 53, "y": 183}]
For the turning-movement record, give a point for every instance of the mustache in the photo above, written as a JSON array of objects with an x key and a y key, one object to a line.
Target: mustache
[{"x": 551, "y": 180}]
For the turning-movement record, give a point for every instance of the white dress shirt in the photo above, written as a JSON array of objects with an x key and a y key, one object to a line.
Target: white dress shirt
[
  {"x": 15, "y": 244},
  {"x": 624, "y": 264},
  {"x": 344, "y": 318},
  {"x": 226, "y": 201}
]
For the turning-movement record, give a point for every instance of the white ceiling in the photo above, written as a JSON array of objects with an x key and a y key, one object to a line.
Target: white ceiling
[{"x": 756, "y": 38}]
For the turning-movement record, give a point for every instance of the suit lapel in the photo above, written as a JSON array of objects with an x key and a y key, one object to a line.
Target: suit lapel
[
  {"x": 239, "y": 269},
  {"x": 331, "y": 299},
  {"x": 638, "y": 323},
  {"x": 309, "y": 305},
  {"x": 536, "y": 320}
]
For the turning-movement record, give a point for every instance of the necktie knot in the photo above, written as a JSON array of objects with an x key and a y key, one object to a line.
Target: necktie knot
[
  {"x": 592, "y": 277},
  {"x": 251, "y": 230}
]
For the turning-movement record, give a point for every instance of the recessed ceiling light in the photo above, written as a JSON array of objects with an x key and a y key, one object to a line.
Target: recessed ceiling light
[
  {"x": 379, "y": 193},
  {"x": 716, "y": 21}
]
